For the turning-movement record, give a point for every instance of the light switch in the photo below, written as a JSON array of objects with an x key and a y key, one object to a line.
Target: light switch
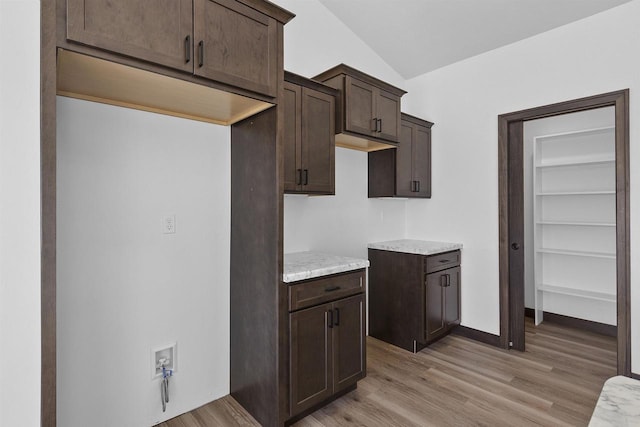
[{"x": 169, "y": 224}]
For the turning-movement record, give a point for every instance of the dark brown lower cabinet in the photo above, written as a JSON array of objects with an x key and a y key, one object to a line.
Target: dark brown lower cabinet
[
  {"x": 442, "y": 302},
  {"x": 327, "y": 347},
  {"x": 413, "y": 299}
]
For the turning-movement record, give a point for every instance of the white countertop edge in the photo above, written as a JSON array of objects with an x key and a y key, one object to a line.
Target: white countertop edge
[
  {"x": 308, "y": 265},
  {"x": 412, "y": 246}
]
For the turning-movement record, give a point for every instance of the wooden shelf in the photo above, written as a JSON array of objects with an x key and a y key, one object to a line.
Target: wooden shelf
[
  {"x": 562, "y": 290},
  {"x": 92, "y": 79},
  {"x": 576, "y": 253},
  {"x": 577, "y": 223}
]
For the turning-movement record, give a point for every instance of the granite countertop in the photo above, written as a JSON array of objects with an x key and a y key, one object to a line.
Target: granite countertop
[
  {"x": 420, "y": 247},
  {"x": 619, "y": 403},
  {"x": 307, "y": 265}
]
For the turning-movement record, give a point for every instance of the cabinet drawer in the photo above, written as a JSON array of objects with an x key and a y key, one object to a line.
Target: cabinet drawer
[
  {"x": 443, "y": 261},
  {"x": 318, "y": 291}
]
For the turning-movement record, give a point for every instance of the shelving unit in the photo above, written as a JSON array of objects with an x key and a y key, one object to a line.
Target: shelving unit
[{"x": 574, "y": 224}]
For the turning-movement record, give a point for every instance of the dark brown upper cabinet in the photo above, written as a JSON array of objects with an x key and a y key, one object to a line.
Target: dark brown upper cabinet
[
  {"x": 309, "y": 136},
  {"x": 405, "y": 171},
  {"x": 368, "y": 114},
  {"x": 236, "y": 44},
  {"x": 222, "y": 40},
  {"x": 158, "y": 31},
  {"x": 233, "y": 48}
]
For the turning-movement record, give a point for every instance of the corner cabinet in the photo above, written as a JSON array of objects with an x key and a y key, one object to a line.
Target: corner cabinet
[
  {"x": 405, "y": 171},
  {"x": 413, "y": 299},
  {"x": 222, "y": 40},
  {"x": 368, "y": 114},
  {"x": 309, "y": 136},
  {"x": 327, "y": 338}
]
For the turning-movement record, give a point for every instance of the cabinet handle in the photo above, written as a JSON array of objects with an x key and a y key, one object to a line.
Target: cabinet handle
[
  {"x": 443, "y": 261},
  {"x": 413, "y": 186},
  {"x": 380, "y": 123},
  {"x": 337, "y": 317},
  {"x": 306, "y": 177},
  {"x": 298, "y": 176},
  {"x": 332, "y": 288},
  {"x": 417, "y": 186},
  {"x": 443, "y": 281},
  {"x": 375, "y": 125},
  {"x": 200, "y": 53},
  {"x": 448, "y": 280},
  {"x": 187, "y": 49},
  {"x": 330, "y": 318}
]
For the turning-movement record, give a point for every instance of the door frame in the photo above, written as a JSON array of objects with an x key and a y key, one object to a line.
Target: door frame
[{"x": 511, "y": 217}]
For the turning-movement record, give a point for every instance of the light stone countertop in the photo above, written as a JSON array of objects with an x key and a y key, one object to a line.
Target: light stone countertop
[
  {"x": 307, "y": 265},
  {"x": 420, "y": 247},
  {"x": 618, "y": 405}
]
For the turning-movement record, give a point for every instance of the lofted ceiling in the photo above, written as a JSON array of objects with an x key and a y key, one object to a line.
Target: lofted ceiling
[{"x": 418, "y": 36}]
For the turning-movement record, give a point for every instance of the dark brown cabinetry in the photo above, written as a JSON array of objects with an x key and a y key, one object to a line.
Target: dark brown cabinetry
[
  {"x": 327, "y": 347},
  {"x": 368, "y": 114},
  {"x": 405, "y": 171},
  {"x": 309, "y": 136},
  {"x": 227, "y": 41},
  {"x": 413, "y": 299}
]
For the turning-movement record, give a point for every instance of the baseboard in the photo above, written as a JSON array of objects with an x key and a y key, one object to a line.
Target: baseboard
[
  {"x": 477, "y": 335},
  {"x": 635, "y": 376},
  {"x": 572, "y": 322}
]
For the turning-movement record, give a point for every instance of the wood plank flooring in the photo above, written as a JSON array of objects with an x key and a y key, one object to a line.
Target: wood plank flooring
[{"x": 460, "y": 382}]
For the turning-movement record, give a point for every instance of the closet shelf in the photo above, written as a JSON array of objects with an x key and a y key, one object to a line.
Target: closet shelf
[
  {"x": 563, "y": 290},
  {"x": 577, "y": 223},
  {"x": 582, "y": 132},
  {"x": 576, "y": 162},
  {"x": 576, "y": 193},
  {"x": 589, "y": 254}
]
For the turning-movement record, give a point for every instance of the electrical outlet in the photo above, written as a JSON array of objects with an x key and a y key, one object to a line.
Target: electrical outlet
[{"x": 169, "y": 224}]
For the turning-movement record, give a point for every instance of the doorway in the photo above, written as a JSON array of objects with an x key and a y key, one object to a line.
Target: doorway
[{"x": 511, "y": 217}]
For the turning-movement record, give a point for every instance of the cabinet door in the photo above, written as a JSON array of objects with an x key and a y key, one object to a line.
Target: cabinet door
[
  {"x": 388, "y": 112},
  {"x": 292, "y": 136},
  {"x": 404, "y": 162},
  {"x": 158, "y": 31},
  {"x": 310, "y": 357},
  {"x": 318, "y": 142},
  {"x": 235, "y": 44},
  {"x": 452, "y": 298},
  {"x": 360, "y": 107},
  {"x": 349, "y": 345},
  {"x": 422, "y": 161},
  {"x": 434, "y": 305}
]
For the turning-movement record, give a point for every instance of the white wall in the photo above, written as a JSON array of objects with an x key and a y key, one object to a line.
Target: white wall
[
  {"x": 20, "y": 213},
  {"x": 124, "y": 287},
  {"x": 342, "y": 224},
  {"x": 588, "y": 57}
]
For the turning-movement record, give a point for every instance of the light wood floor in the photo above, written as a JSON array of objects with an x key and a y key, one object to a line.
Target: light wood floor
[{"x": 460, "y": 382}]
